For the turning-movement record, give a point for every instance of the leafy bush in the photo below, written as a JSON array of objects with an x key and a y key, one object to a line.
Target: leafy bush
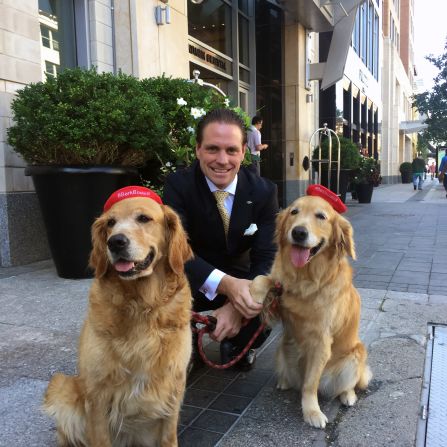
[
  {"x": 406, "y": 168},
  {"x": 349, "y": 153},
  {"x": 368, "y": 172},
  {"x": 83, "y": 117},
  {"x": 182, "y": 104}
]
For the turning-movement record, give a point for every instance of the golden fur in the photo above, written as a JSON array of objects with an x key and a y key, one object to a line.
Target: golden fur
[
  {"x": 135, "y": 344},
  {"x": 320, "y": 348}
]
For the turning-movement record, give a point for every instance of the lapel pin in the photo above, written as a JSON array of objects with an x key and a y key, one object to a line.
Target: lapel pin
[{"x": 249, "y": 202}]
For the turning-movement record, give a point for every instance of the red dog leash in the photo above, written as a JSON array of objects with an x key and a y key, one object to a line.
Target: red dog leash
[{"x": 210, "y": 322}]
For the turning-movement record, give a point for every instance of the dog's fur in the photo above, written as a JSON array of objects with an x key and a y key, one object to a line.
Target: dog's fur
[
  {"x": 135, "y": 344},
  {"x": 319, "y": 307}
]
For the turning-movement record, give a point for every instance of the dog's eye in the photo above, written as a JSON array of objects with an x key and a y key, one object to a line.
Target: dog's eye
[
  {"x": 294, "y": 211},
  {"x": 321, "y": 216},
  {"x": 143, "y": 219},
  {"x": 111, "y": 223}
]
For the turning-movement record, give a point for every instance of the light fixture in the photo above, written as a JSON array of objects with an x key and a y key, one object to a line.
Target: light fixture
[
  {"x": 159, "y": 14},
  {"x": 197, "y": 2}
]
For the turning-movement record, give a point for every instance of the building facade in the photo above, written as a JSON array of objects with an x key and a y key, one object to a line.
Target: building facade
[
  {"x": 264, "y": 54},
  {"x": 399, "y": 124}
]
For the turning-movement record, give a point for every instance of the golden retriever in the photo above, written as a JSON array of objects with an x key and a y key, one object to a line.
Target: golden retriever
[
  {"x": 320, "y": 348},
  {"x": 135, "y": 343}
]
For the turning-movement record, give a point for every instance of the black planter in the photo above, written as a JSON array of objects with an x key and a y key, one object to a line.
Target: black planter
[
  {"x": 407, "y": 177},
  {"x": 343, "y": 184},
  {"x": 71, "y": 197},
  {"x": 364, "y": 192}
]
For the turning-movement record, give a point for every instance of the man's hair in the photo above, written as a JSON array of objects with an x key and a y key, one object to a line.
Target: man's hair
[
  {"x": 225, "y": 116},
  {"x": 256, "y": 120}
]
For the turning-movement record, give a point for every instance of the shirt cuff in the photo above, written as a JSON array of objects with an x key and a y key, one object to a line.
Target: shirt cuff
[{"x": 209, "y": 287}]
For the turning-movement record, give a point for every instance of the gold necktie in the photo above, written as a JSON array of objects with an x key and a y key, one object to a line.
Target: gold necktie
[{"x": 220, "y": 197}]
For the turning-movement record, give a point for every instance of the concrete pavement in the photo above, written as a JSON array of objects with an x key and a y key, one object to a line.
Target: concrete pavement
[{"x": 401, "y": 240}]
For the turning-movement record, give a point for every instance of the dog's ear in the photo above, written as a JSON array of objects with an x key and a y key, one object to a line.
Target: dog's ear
[
  {"x": 179, "y": 250},
  {"x": 98, "y": 256},
  {"x": 280, "y": 228},
  {"x": 344, "y": 239}
]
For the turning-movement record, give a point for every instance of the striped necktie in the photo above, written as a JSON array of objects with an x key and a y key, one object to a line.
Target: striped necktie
[{"x": 220, "y": 197}]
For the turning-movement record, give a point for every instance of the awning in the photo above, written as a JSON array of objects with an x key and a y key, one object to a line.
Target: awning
[
  {"x": 412, "y": 126},
  {"x": 320, "y": 16}
]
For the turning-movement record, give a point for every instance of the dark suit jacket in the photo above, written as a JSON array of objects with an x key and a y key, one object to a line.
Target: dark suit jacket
[{"x": 255, "y": 201}]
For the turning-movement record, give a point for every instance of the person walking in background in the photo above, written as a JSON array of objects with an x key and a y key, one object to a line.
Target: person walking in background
[
  {"x": 432, "y": 169},
  {"x": 442, "y": 170},
  {"x": 229, "y": 215},
  {"x": 418, "y": 166},
  {"x": 254, "y": 143}
]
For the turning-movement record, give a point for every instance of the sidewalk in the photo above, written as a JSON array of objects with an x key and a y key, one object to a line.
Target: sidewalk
[{"x": 401, "y": 240}]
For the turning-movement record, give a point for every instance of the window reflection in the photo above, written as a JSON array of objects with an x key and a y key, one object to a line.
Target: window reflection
[
  {"x": 57, "y": 35},
  {"x": 210, "y": 22}
]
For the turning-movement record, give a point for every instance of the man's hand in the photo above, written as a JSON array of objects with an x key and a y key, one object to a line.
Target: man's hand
[
  {"x": 229, "y": 322},
  {"x": 238, "y": 292}
]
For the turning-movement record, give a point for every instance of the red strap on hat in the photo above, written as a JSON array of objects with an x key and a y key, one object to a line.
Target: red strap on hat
[
  {"x": 129, "y": 192},
  {"x": 328, "y": 195}
]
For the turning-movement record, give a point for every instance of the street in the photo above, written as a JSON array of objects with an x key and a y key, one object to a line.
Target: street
[{"x": 401, "y": 244}]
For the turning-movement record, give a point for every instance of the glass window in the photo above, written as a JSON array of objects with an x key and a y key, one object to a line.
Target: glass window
[
  {"x": 210, "y": 23},
  {"x": 363, "y": 30},
  {"x": 244, "y": 75},
  {"x": 243, "y": 6},
  {"x": 58, "y": 37},
  {"x": 376, "y": 47},
  {"x": 244, "y": 43},
  {"x": 370, "y": 36},
  {"x": 356, "y": 33}
]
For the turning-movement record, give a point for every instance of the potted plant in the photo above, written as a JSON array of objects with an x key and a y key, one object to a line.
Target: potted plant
[
  {"x": 406, "y": 172},
  {"x": 83, "y": 135},
  {"x": 349, "y": 161},
  {"x": 365, "y": 178}
]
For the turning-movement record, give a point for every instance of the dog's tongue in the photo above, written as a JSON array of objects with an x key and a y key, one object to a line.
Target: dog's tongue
[
  {"x": 124, "y": 266},
  {"x": 299, "y": 256}
]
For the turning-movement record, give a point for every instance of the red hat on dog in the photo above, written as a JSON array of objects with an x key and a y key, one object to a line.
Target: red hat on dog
[
  {"x": 329, "y": 196},
  {"x": 130, "y": 192}
]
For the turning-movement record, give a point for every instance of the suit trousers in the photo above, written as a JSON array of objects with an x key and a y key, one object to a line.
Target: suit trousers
[{"x": 201, "y": 303}]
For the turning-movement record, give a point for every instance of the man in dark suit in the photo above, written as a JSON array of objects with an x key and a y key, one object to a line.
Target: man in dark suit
[{"x": 227, "y": 256}]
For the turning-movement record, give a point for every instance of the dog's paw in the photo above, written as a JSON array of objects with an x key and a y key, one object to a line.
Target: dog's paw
[
  {"x": 282, "y": 384},
  {"x": 259, "y": 288},
  {"x": 315, "y": 418},
  {"x": 348, "y": 398}
]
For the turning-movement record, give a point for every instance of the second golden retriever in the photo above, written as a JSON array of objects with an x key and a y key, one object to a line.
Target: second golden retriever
[
  {"x": 135, "y": 344},
  {"x": 320, "y": 348}
]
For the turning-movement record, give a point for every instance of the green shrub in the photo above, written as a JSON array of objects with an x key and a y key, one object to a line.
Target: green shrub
[
  {"x": 349, "y": 153},
  {"x": 405, "y": 168},
  {"x": 368, "y": 172},
  {"x": 182, "y": 103},
  {"x": 83, "y": 117}
]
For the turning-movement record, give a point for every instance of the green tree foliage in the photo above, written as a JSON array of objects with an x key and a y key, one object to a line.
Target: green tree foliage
[{"x": 434, "y": 103}]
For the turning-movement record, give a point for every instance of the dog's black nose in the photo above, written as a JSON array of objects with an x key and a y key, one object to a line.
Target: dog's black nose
[
  {"x": 117, "y": 243},
  {"x": 299, "y": 234}
]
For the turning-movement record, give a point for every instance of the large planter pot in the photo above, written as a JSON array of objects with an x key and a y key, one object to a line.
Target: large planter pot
[
  {"x": 343, "y": 183},
  {"x": 407, "y": 177},
  {"x": 71, "y": 197},
  {"x": 364, "y": 192}
]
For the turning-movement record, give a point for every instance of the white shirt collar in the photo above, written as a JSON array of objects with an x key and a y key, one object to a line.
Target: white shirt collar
[{"x": 231, "y": 188}]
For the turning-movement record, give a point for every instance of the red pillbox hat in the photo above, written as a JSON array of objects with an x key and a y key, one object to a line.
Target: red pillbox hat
[
  {"x": 130, "y": 192},
  {"x": 329, "y": 196}
]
